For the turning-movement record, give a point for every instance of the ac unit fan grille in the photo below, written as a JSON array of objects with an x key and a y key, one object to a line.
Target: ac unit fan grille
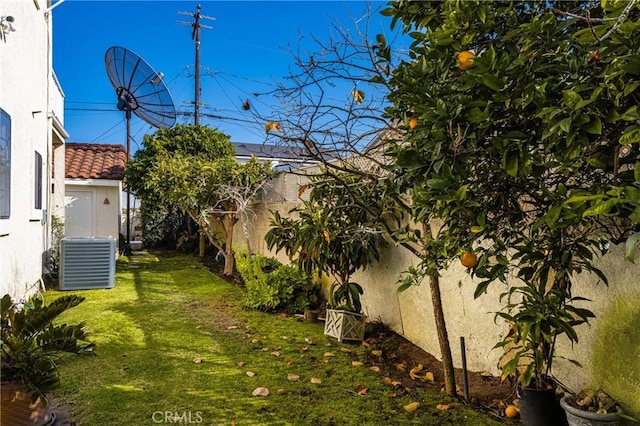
[{"x": 87, "y": 263}]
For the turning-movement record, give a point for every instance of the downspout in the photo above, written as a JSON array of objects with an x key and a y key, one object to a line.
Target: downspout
[{"x": 49, "y": 163}]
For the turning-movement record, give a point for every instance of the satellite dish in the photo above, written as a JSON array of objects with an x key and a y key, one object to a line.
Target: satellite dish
[{"x": 140, "y": 90}]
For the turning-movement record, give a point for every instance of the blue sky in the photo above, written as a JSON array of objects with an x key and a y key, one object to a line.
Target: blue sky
[{"x": 244, "y": 53}]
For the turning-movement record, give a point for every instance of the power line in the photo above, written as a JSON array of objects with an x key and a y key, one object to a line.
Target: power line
[
  {"x": 90, "y": 109},
  {"x": 107, "y": 131}
]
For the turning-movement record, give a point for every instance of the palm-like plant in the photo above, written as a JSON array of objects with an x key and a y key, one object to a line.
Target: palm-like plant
[{"x": 31, "y": 345}]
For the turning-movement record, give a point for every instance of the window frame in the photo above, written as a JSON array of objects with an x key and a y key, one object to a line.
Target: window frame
[
  {"x": 37, "y": 181},
  {"x": 5, "y": 165}
]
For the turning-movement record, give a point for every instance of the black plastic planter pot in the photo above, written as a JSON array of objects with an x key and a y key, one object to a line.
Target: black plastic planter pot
[{"x": 540, "y": 407}]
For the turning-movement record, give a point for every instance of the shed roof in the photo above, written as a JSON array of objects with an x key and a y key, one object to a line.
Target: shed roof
[{"x": 95, "y": 161}]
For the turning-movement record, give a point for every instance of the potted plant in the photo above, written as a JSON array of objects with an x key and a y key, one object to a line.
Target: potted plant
[
  {"x": 31, "y": 347},
  {"x": 331, "y": 237},
  {"x": 593, "y": 407},
  {"x": 537, "y": 319}
]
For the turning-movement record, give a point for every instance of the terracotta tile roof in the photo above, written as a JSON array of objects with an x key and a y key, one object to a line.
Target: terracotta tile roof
[{"x": 95, "y": 161}]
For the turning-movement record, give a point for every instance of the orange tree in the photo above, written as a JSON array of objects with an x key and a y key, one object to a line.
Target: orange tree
[{"x": 525, "y": 148}]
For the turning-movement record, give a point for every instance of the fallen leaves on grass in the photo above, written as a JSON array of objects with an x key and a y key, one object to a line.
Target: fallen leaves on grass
[
  {"x": 357, "y": 363},
  {"x": 443, "y": 407},
  {"x": 411, "y": 407},
  {"x": 316, "y": 380},
  {"x": 389, "y": 381},
  {"x": 275, "y": 353},
  {"x": 328, "y": 354},
  {"x": 240, "y": 363},
  {"x": 293, "y": 377},
  {"x": 375, "y": 368},
  {"x": 260, "y": 391},
  {"x": 197, "y": 360},
  {"x": 361, "y": 390},
  {"x": 376, "y": 352},
  {"x": 413, "y": 373},
  {"x": 345, "y": 350},
  {"x": 250, "y": 373}
]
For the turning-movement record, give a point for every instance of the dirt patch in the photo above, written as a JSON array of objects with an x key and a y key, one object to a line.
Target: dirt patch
[
  {"x": 399, "y": 356},
  {"x": 216, "y": 265}
]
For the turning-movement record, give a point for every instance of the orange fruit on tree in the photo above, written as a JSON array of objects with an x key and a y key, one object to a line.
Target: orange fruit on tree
[
  {"x": 469, "y": 259},
  {"x": 466, "y": 60},
  {"x": 511, "y": 411},
  {"x": 413, "y": 122}
]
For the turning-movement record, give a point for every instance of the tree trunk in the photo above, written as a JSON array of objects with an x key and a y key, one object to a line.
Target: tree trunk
[
  {"x": 202, "y": 245},
  {"x": 229, "y": 257},
  {"x": 443, "y": 337}
]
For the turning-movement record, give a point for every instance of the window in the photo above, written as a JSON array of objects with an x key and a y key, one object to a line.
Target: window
[
  {"x": 37, "y": 180},
  {"x": 5, "y": 165}
]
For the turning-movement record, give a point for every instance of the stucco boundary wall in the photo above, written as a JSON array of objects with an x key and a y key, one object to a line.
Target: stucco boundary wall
[{"x": 609, "y": 346}]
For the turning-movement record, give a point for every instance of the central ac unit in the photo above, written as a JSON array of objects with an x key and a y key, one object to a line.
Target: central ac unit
[{"x": 87, "y": 263}]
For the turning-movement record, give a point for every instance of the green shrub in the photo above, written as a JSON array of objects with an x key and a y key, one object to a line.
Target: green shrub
[
  {"x": 272, "y": 286},
  {"x": 296, "y": 290}
]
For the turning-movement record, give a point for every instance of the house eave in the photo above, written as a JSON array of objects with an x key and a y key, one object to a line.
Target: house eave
[
  {"x": 93, "y": 182},
  {"x": 59, "y": 131}
]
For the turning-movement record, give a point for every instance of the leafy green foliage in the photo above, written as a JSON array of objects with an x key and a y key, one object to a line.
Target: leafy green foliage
[
  {"x": 162, "y": 225},
  {"x": 332, "y": 235},
  {"x": 194, "y": 169},
  {"x": 30, "y": 344},
  {"x": 530, "y": 155},
  {"x": 274, "y": 287},
  {"x": 200, "y": 142},
  {"x": 538, "y": 319},
  {"x": 53, "y": 260},
  {"x": 521, "y": 137}
]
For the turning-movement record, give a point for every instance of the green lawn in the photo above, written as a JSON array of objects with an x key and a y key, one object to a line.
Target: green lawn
[{"x": 173, "y": 339}]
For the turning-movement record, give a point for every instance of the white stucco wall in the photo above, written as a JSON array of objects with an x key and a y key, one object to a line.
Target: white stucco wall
[
  {"x": 57, "y": 199},
  {"x": 24, "y": 85}
]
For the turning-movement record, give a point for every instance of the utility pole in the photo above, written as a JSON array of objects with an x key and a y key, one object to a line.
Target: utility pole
[{"x": 195, "y": 35}]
